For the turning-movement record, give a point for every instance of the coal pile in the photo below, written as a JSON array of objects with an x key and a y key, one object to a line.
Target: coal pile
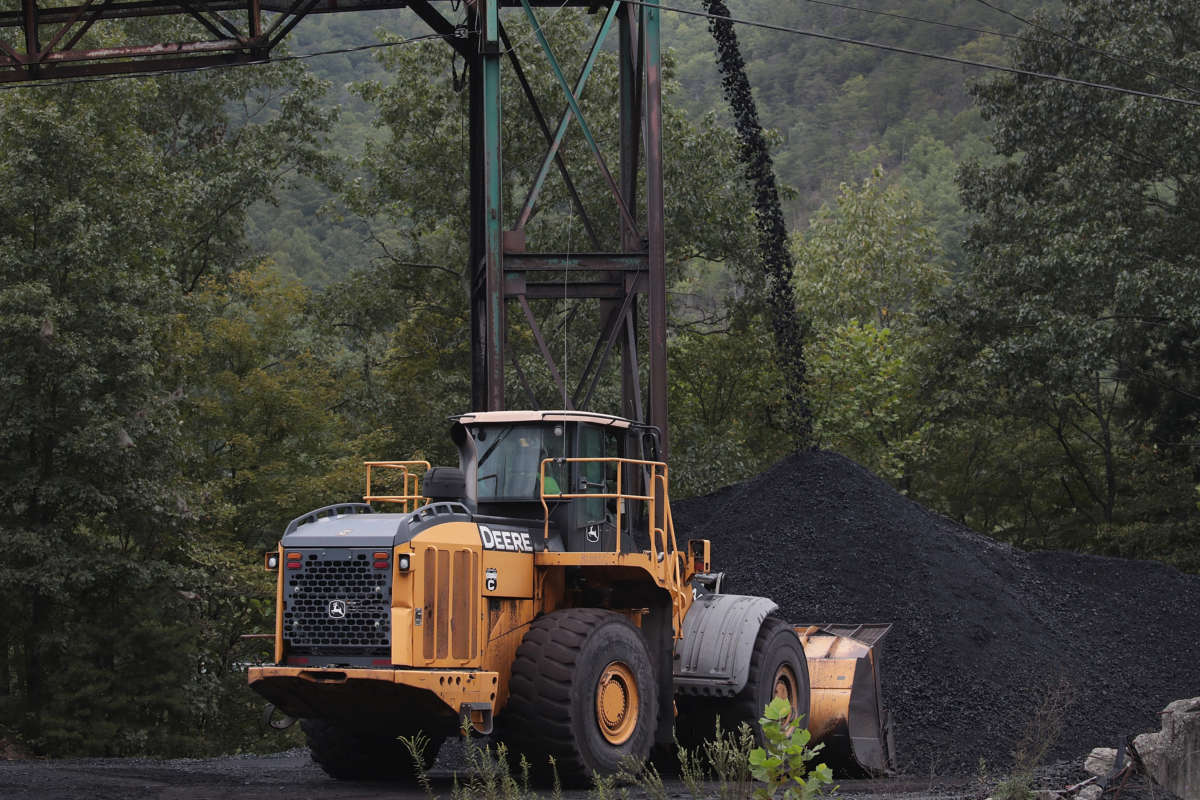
[{"x": 983, "y": 632}]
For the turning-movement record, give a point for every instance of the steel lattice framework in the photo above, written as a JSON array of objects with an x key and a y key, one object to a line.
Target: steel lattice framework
[{"x": 42, "y": 42}]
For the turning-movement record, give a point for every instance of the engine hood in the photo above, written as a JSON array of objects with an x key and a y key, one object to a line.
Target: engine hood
[{"x": 371, "y": 529}]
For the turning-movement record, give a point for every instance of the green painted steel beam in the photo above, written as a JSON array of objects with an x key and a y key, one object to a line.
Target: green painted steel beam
[
  {"x": 565, "y": 119},
  {"x": 595, "y": 262},
  {"x": 655, "y": 233},
  {"x": 493, "y": 206},
  {"x": 574, "y": 104}
]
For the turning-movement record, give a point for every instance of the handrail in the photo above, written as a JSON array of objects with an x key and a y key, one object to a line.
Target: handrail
[
  {"x": 410, "y": 480},
  {"x": 665, "y": 561},
  {"x": 672, "y": 578},
  {"x": 618, "y": 495}
]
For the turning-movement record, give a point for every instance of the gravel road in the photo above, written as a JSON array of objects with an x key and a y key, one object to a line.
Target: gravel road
[{"x": 292, "y": 775}]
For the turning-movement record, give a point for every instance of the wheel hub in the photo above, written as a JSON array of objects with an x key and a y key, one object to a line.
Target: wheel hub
[
  {"x": 617, "y": 703},
  {"x": 785, "y": 689}
]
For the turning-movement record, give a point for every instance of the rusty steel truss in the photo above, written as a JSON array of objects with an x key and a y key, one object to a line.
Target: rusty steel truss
[{"x": 41, "y": 42}]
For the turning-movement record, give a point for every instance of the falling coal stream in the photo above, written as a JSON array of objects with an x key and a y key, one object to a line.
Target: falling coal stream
[{"x": 788, "y": 326}]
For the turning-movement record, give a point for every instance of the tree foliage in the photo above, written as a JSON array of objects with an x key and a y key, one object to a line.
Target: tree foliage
[
  {"x": 120, "y": 199},
  {"x": 1081, "y": 310},
  {"x": 869, "y": 268}
]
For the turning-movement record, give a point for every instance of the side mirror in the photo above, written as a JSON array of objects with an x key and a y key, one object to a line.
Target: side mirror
[
  {"x": 699, "y": 555},
  {"x": 650, "y": 445}
]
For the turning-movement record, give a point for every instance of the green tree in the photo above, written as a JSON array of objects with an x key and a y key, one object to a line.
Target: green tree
[
  {"x": 263, "y": 442},
  {"x": 89, "y": 431},
  {"x": 260, "y": 404},
  {"x": 868, "y": 408},
  {"x": 121, "y": 198},
  {"x": 727, "y": 417},
  {"x": 1082, "y": 305},
  {"x": 867, "y": 269}
]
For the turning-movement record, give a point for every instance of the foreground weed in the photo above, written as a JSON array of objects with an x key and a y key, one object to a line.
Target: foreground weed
[
  {"x": 643, "y": 775},
  {"x": 982, "y": 778},
  {"x": 556, "y": 792},
  {"x": 489, "y": 776},
  {"x": 416, "y": 747},
  {"x": 604, "y": 787},
  {"x": 1041, "y": 733},
  {"x": 1018, "y": 786},
  {"x": 691, "y": 769},
  {"x": 727, "y": 755},
  {"x": 782, "y": 763},
  {"x": 525, "y": 775}
]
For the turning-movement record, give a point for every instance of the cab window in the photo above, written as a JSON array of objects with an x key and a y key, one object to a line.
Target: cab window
[
  {"x": 510, "y": 457},
  {"x": 597, "y": 477}
]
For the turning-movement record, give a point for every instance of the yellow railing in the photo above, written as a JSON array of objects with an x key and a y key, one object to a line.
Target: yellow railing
[
  {"x": 410, "y": 481},
  {"x": 663, "y": 550}
]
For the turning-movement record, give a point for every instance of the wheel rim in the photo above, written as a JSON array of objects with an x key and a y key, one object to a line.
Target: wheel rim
[
  {"x": 617, "y": 703},
  {"x": 785, "y": 688}
]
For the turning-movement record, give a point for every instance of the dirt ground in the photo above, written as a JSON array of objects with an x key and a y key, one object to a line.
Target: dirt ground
[{"x": 293, "y": 775}]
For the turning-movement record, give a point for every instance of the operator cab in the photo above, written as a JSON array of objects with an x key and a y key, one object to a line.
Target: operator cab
[{"x": 512, "y": 461}]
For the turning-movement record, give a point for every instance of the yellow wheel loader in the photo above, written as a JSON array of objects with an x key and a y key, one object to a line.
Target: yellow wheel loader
[{"x": 536, "y": 592}]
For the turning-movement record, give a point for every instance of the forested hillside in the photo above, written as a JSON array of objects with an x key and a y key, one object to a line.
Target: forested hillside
[
  {"x": 838, "y": 110},
  {"x": 220, "y": 292}
]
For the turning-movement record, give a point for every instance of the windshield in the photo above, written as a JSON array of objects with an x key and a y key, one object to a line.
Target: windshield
[{"x": 510, "y": 457}]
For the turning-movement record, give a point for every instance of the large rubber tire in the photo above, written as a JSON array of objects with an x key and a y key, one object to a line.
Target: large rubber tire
[
  {"x": 347, "y": 754},
  {"x": 777, "y": 668},
  {"x": 583, "y": 692}
]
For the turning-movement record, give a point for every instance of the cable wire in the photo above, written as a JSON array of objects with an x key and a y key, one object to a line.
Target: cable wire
[
  {"x": 1080, "y": 45},
  {"x": 1013, "y": 36},
  {"x": 939, "y": 23},
  {"x": 922, "y": 54},
  {"x": 529, "y": 35}
]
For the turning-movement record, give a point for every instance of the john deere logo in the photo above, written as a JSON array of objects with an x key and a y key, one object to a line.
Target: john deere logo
[{"x": 337, "y": 609}]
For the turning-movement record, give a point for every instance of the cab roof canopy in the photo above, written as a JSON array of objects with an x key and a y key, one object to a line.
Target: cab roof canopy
[{"x": 514, "y": 417}]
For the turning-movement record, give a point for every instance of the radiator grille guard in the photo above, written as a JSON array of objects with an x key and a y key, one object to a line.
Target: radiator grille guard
[{"x": 337, "y": 603}]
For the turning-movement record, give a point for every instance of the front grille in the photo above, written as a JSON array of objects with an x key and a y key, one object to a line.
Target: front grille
[
  {"x": 337, "y": 603},
  {"x": 451, "y": 628}
]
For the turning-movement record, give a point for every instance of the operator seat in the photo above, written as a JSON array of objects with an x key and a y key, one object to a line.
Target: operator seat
[{"x": 442, "y": 484}]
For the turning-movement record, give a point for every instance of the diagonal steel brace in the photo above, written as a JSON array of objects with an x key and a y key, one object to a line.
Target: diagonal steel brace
[{"x": 574, "y": 105}]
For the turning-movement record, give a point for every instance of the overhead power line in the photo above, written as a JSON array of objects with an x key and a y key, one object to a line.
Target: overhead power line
[
  {"x": 1012, "y": 36},
  {"x": 1080, "y": 45},
  {"x": 923, "y": 54},
  {"x": 907, "y": 18}
]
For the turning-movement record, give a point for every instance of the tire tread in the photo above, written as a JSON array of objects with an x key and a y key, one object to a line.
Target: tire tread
[
  {"x": 538, "y": 719},
  {"x": 347, "y": 754}
]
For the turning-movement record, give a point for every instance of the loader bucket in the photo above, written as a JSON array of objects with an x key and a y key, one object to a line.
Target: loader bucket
[{"x": 846, "y": 711}]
